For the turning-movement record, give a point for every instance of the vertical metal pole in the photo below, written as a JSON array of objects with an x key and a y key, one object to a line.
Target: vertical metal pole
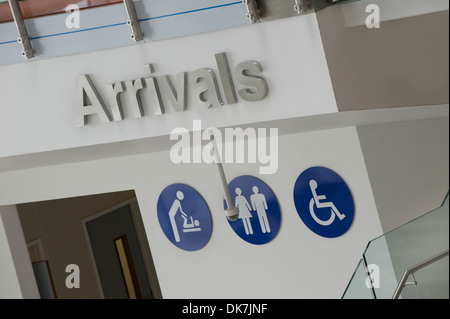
[
  {"x": 23, "y": 39},
  {"x": 225, "y": 185},
  {"x": 133, "y": 21},
  {"x": 231, "y": 212}
]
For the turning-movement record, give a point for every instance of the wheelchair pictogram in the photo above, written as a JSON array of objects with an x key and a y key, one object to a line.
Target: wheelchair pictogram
[
  {"x": 316, "y": 200},
  {"x": 321, "y": 195}
]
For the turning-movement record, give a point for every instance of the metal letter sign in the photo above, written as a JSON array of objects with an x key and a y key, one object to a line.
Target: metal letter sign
[
  {"x": 202, "y": 84},
  {"x": 259, "y": 213},
  {"x": 324, "y": 202},
  {"x": 184, "y": 217}
]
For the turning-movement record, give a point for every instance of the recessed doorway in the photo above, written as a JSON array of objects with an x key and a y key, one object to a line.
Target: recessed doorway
[{"x": 84, "y": 231}]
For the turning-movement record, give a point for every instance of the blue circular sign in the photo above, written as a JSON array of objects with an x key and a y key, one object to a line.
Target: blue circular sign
[
  {"x": 259, "y": 213},
  {"x": 184, "y": 217},
  {"x": 324, "y": 202}
]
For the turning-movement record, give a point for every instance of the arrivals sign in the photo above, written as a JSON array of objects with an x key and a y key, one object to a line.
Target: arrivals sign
[{"x": 162, "y": 92}]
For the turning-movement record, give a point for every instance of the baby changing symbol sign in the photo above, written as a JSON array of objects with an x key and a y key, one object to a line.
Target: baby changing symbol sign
[
  {"x": 324, "y": 202},
  {"x": 259, "y": 212},
  {"x": 184, "y": 217}
]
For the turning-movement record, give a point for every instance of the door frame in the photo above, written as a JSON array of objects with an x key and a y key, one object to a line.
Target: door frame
[{"x": 142, "y": 239}]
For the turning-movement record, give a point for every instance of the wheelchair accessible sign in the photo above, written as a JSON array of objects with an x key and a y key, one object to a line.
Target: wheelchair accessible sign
[{"x": 324, "y": 202}]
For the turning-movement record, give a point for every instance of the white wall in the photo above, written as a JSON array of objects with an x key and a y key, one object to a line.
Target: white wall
[
  {"x": 38, "y": 108},
  {"x": 296, "y": 264},
  {"x": 16, "y": 273},
  {"x": 9, "y": 283},
  {"x": 408, "y": 167},
  {"x": 37, "y": 115}
]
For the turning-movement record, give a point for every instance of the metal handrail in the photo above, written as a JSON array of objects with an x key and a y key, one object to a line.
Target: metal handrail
[{"x": 415, "y": 268}]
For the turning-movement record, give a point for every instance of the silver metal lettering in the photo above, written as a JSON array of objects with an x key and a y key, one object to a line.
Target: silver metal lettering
[
  {"x": 133, "y": 87},
  {"x": 175, "y": 97},
  {"x": 225, "y": 77},
  {"x": 154, "y": 96},
  {"x": 244, "y": 74},
  {"x": 206, "y": 89},
  {"x": 113, "y": 92},
  {"x": 155, "y": 91},
  {"x": 88, "y": 102}
]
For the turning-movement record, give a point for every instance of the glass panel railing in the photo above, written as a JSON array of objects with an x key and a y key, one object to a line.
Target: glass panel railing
[
  {"x": 359, "y": 286},
  {"x": 406, "y": 246}
]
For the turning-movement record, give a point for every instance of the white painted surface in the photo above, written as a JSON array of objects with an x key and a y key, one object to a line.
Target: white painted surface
[
  {"x": 38, "y": 118},
  {"x": 9, "y": 283},
  {"x": 285, "y": 126},
  {"x": 38, "y": 108},
  {"x": 296, "y": 264},
  {"x": 16, "y": 273}
]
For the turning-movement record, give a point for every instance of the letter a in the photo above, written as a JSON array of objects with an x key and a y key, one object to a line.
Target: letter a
[
  {"x": 181, "y": 151},
  {"x": 86, "y": 93},
  {"x": 373, "y": 19},
  {"x": 73, "y": 19},
  {"x": 73, "y": 280}
]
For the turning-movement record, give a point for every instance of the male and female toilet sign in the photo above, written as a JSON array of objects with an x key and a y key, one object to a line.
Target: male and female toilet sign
[
  {"x": 259, "y": 212},
  {"x": 322, "y": 199}
]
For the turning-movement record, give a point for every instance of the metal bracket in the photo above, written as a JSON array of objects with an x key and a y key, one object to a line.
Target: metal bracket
[
  {"x": 252, "y": 10},
  {"x": 133, "y": 21},
  {"x": 411, "y": 283},
  {"x": 269, "y": 10},
  {"x": 301, "y": 6},
  {"x": 24, "y": 38}
]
